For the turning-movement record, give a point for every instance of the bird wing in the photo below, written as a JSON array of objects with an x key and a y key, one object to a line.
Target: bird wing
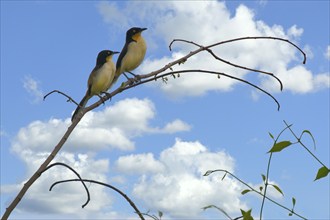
[
  {"x": 91, "y": 79},
  {"x": 121, "y": 56}
]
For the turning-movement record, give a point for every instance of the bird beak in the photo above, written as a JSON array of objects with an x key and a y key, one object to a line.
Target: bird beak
[
  {"x": 115, "y": 52},
  {"x": 143, "y": 29}
]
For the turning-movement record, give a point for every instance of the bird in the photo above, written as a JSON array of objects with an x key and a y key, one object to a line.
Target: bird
[
  {"x": 132, "y": 54},
  {"x": 100, "y": 79}
]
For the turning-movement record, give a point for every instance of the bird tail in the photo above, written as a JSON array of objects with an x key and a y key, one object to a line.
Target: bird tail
[{"x": 81, "y": 105}]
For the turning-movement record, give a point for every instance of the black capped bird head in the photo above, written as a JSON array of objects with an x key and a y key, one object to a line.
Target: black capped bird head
[
  {"x": 134, "y": 33},
  {"x": 104, "y": 56}
]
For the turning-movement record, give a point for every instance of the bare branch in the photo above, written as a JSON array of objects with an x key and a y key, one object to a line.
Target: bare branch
[
  {"x": 251, "y": 38},
  {"x": 208, "y": 72},
  {"x": 62, "y": 93},
  {"x": 229, "y": 63},
  {"x": 75, "y": 172},
  {"x": 38, "y": 173},
  {"x": 127, "y": 85},
  {"x": 107, "y": 185}
]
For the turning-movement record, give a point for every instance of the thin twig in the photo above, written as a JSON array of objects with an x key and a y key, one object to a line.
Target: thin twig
[
  {"x": 62, "y": 93},
  {"x": 252, "y": 38},
  {"x": 268, "y": 171},
  {"x": 152, "y": 75},
  {"x": 77, "y": 174},
  {"x": 252, "y": 189},
  {"x": 151, "y": 216},
  {"x": 38, "y": 173},
  {"x": 233, "y": 64},
  {"x": 107, "y": 185},
  {"x": 208, "y": 72},
  {"x": 304, "y": 146}
]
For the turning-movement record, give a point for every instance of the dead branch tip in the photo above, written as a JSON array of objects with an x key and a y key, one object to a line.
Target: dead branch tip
[
  {"x": 75, "y": 172},
  {"x": 62, "y": 93}
]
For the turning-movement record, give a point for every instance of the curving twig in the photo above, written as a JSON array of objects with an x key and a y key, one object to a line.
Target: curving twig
[
  {"x": 268, "y": 172},
  {"x": 252, "y": 38},
  {"x": 107, "y": 185},
  {"x": 252, "y": 189},
  {"x": 208, "y": 72},
  {"x": 62, "y": 93},
  {"x": 230, "y": 63},
  {"x": 75, "y": 172},
  {"x": 126, "y": 85}
]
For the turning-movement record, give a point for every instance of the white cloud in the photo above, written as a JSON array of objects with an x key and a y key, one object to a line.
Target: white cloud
[
  {"x": 65, "y": 198},
  {"x": 209, "y": 22},
  {"x": 299, "y": 80},
  {"x": 112, "y": 128},
  {"x": 309, "y": 52},
  {"x": 32, "y": 86},
  {"x": 139, "y": 164},
  {"x": 271, "y": 191},
  {"x": 294, "y": 31},
  {"x": 6, "y": 189},
  {"x": 327, "y": 53},
  {"x": 176, "y": 126},
  {"x": 322, "y": 81},
  {"x": 111, "y": 14},
  {"x": 175, "y": 184}
]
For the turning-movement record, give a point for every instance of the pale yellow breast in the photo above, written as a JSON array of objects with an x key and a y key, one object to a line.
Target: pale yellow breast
[
  {"x": 103, "y": 78},
  {"x": 135, "y": 55}
]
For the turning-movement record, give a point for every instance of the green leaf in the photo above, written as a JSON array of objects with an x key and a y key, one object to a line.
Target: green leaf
[
  {"x": 322, "y": 172},
  {"x": 247, "y": 214},
  {"x": 261, "y": 188},
  {"x": 270, "y": 134},
  {"x": 280, "y": 146},
  {"x": 263, "y": 178},
  {"x": 293, "y": 202},
  {"x": 277, "y": 188},
  {"x": 160, "y": 214},
  {"x": 216, "y": 207},
  {"x": 310, "y": 134},
  {"x": 245, "y": 191}
]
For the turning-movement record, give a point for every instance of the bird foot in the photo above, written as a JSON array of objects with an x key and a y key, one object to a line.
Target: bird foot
[
  {"x": 131, "y": 81},
  {"x": 103, "y": 99},
  {"x": 136, "y": 78}
]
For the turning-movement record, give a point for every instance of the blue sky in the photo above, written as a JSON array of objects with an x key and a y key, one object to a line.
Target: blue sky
[{"x": 156, "y": 141}]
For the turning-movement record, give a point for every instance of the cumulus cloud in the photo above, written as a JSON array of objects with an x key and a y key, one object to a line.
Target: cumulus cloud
[
  {"x": 210, "y": 22},
  {"x": 174, "y": 182},
  {"x": 176, "y": 126},
  {"x": 139, "y": 164},
  {"x": 294, "y": 31},
  {"x": 40, "y": 200},
  {"x": 97, "y": 130},
  {"x": 32, "y": 86},
  {"x": 298, "y": 79}
]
